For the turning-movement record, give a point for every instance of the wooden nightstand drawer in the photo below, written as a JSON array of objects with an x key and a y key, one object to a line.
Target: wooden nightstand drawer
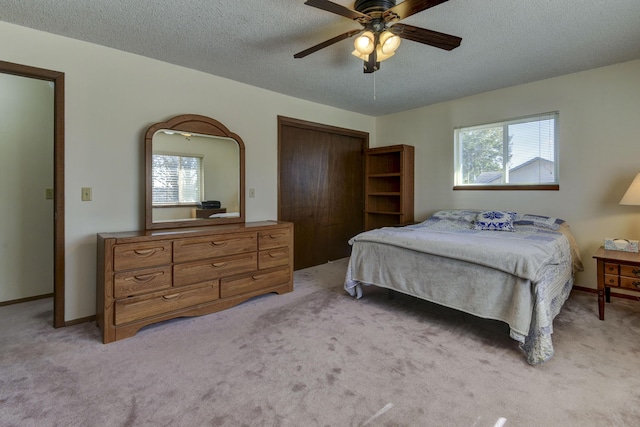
[
  {"x": 610, "y": 268},
  {"x": 630, "y": 271},
  {"x": 611, "y": 280},
  {"x": 140, "y": 255},
  {"x": 215, "y": 246},
  {"x": 141, "y": 281},
  {"x": 630, "y": 283},
  {"x": 194, "y": 272}
]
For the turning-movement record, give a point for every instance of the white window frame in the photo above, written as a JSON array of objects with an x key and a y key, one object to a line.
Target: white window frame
[{"x": 504, "y": 183}]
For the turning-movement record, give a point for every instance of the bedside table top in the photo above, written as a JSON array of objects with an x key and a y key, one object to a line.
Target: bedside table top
[{"x": 617, "y": 256}]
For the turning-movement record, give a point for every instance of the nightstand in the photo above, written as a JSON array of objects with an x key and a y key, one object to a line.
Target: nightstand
[{"x": 616, "y": 269}]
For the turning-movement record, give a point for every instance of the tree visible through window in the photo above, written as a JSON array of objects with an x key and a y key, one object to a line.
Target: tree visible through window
[
  {"x": 514, "y": 152},
  {"x": 176, "y": 179}
]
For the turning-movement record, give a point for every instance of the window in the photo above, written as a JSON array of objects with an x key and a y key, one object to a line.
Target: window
[
  {"x": 514, "y": 154},
  {"x": 176, "y": 179}
]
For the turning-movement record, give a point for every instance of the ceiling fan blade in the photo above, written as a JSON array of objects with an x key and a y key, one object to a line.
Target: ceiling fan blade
[
  {"x": 339, "y": 10},
  {"x": 326, "y": 43},
  {"x": 430, "y": 37},
  {"x": 408, "y": 8}
]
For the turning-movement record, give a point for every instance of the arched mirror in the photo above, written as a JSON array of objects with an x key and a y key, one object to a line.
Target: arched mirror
[{"x": 194, "y": 173}]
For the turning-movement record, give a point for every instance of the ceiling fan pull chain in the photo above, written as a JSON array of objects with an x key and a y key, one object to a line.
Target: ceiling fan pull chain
[{"x": 374, "y": 86}]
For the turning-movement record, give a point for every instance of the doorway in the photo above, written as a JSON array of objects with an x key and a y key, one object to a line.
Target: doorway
[
  {"x": 320, "y": 188},
  {"x": 57, "y": 80}
]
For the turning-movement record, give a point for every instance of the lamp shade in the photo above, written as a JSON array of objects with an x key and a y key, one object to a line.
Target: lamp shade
[
  {"x": 365, "y": 43},
  {"x": 381, "y": 56},
  {"x": 360, "y": 55},
  {"x": 389, "y": 42},
  {"x": 632, "y": 196}
]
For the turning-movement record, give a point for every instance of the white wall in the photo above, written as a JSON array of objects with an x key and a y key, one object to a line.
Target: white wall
[
  {"x": 26, "y": 170},
  {"x": 599, "y": 152},
  {"x": 111, "y": 99}
]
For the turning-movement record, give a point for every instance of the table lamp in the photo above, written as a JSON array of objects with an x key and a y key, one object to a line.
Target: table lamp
[{"x": 632, "y": 196}]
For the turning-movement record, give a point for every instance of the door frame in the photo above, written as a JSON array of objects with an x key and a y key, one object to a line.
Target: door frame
[{"x": 58, "y": 177}]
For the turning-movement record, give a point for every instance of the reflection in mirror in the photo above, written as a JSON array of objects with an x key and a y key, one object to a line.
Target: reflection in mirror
[
  {"x": 194, "y": 173},
  {"x": 189, "y": 169}
]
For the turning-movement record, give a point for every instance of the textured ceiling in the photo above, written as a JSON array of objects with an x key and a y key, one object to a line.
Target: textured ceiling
[{"x": 504, "y": 43}]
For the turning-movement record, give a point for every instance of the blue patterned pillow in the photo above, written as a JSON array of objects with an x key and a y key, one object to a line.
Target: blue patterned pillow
[{"x": 495, "y": 220}]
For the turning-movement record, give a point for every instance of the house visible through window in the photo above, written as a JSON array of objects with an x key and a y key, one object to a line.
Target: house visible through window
[
  {"x": 176, "y": 179},
  {"x": 513, "y": 153}
]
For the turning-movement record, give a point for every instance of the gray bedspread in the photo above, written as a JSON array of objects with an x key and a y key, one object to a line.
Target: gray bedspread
[{"x": 521, "y": 278}]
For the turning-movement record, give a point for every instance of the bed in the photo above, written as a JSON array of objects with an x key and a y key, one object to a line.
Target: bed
[{"x": 515, "y": 268}]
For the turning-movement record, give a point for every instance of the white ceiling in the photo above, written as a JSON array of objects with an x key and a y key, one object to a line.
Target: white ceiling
[{"x": 504, "y": 43}]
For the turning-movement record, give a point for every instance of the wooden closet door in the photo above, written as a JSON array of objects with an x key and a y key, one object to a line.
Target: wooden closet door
[{"x": 320, "y": 188}]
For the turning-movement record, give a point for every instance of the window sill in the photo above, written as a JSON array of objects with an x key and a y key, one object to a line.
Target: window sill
[
  {"x": 545, "y": 187},
  {"x": 181, "y": 205}
]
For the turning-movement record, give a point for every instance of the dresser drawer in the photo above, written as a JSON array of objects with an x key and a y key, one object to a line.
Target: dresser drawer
[
  {"x": 141, "y": 255},
  {"x": 274, "y": 238},
  {"x": 195, "y": 272},
  {"x": 213, "y": 246},
  {"x": 232, "y": 287},
  {"x": 140, "y": 307},
  {"x": 141, "y": 281},
  {"x": 630, "y": 271},
  {"x": 273, "y": 258}
]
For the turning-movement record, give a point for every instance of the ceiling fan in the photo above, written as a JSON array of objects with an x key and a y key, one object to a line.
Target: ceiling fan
[{"x": 381, "y": 33}]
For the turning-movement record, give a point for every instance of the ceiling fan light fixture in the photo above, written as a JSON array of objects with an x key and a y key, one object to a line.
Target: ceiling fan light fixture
[
  {"x": 389, "y": 42},
  {"x": 381, "y": 34},
  {"x": 381, "y": 56},
  {"x": 365, "y": 43},
  {"x": 360, "y": 55}
]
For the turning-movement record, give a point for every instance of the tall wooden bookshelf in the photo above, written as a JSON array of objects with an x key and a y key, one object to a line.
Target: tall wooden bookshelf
[{"x": 388, "y": 186}]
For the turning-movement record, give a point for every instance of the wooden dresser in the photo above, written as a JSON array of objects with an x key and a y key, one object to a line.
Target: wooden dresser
[{"x": 148, "y": 277}]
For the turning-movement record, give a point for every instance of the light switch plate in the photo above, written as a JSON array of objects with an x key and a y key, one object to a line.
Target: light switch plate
[{"x": 86, "y": 194}]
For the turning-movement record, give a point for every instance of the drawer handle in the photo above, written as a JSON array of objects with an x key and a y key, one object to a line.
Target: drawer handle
[
  {"x": 144, "y": 252},
  {"x": 145, "y": 277},
  {"x": 219, "y": 264},
  {"x": 276, "y": 254},
  {"x": 171, "y": 297},
  {"x": 218, "y": 244},
  {"x": 275, "y": 236},
  {"x": 636, "y": 272},
  {"x": 636, "y": 284}
]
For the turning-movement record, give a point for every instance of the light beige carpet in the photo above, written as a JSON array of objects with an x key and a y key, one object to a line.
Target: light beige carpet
[{"x": 317, "y": 357}]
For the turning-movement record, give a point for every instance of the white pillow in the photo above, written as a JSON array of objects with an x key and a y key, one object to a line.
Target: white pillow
[
  {"x": 456, "y": 215},
  {"x": 540, "y": 221}
]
